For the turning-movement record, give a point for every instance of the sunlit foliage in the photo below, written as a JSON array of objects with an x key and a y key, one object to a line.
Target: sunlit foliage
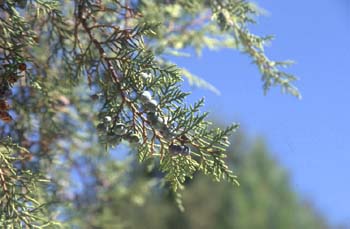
[{"x": 80, "y": 78}]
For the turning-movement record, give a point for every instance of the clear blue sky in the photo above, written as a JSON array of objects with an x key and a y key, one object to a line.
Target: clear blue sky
[{"x": 311, "y": 137}]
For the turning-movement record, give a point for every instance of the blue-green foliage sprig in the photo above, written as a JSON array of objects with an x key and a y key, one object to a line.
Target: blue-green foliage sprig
[{"x": 158, "y": 119}]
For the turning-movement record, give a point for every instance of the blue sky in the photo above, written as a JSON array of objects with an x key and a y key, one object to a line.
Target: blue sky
[{"x": 310, "y": 137}]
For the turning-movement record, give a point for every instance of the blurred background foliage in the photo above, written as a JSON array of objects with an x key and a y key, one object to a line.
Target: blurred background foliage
[{"x": 264, "y": 199}]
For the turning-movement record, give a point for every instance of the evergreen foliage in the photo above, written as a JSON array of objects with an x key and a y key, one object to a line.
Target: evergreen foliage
[{"x": 78, "y": 75}]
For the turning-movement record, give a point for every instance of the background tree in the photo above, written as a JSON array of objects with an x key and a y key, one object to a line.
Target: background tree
[
  {"x": 265, "y": 199},
  {"x": 80, "y": 77}
]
